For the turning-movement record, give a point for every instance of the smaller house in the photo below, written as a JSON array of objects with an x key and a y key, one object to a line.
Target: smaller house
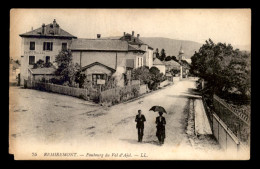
[
  {"x": 172, "y": 65},
  {"x": 14, "y": 70},
  {"x": 41, "y": 73},
  {"x": 160, "y": 65},
  {"x": 96, "y": 70}
]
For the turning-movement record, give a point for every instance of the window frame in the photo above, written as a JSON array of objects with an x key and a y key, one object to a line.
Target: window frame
[
  {"x": 30, "y": 47},
  {"x": 103, "y": 76},
  {"x": 29, "y": 60},
  {"x": 62, "y": 46},
  {"x": 51, "y": 46}
]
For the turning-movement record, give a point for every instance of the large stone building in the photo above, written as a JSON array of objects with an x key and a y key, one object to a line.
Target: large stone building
[
  {"x": 98, "y": 58},
  {"x": 43, "y": 43}
]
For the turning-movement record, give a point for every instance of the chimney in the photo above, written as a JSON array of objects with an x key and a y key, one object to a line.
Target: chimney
[
  {"x": 98, "y": 36},
  {"x": 138, "y": 35},
  {"x": 57, "y": 29},
  {"x": 133, "y": 33},
  {"x": 32, "y": 28},
  {"x": 43, "y": 29},
  {"x": 124, "y": 33},
  {"x": 54, "y": 23}
]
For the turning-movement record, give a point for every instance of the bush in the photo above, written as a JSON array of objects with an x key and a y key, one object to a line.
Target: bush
[
  {"x": 135, "y": 91},
  {"x": 142, "y": 74}
]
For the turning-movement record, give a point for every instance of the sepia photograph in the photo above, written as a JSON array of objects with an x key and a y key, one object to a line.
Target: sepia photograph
[{"x": 130, "y": 84}]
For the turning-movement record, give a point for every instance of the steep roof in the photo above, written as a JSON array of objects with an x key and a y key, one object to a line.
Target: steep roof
[
  {"x": 49, "y": 33},
  {"x": 97, "y": 63},
  {"x": 157, "y": 62},
  {"x": 43, "y": 71}
]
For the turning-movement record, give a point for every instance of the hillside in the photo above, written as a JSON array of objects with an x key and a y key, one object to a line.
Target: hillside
[{"x": 172, "y": 46}]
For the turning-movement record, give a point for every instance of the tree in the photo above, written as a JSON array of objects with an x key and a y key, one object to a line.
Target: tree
[
  {"x": 168, "y": 58},
  {"x": 163, "y": 55},
  {"x": 66, "y": 68},
  {"x": 142, "y": 74},
  {"x": 157, "y": 55},
  {"x": 156, "y": 78},
  {"x": 175, "y": 59},
  {"x": 224, "y": 68}
]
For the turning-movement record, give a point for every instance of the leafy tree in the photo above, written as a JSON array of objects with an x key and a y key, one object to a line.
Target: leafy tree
[
  {"x": 168, "y": 58},
  {"x": 142, "y": 74},
  {"x": 157, "y": 53},
  {"x": 224, "y": 68},
  {"x": 156, "y": 78},
  {"x": 163, "y": 55},
  {"x": 66, "y": 68},
  {"x": 175, "y": 59}
]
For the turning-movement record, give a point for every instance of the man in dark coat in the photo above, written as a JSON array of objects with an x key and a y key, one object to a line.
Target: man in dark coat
[
  {"x": 160, "y": 133},
  {"x": 140, "y": 119}
]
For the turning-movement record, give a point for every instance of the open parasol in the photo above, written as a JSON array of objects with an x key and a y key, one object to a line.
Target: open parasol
[{"x": 158, "y": 109}]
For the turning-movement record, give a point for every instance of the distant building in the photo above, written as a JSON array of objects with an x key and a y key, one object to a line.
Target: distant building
[
  {"x": 14, "y": 71},
  {"x": 171, "y": 65},
  {"x": 181, "y": 53},
  {"x": 160, "y": 65}
]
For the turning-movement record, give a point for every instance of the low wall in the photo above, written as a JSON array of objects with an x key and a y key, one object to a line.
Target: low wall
[
  {"x": 143, "y": 89},
  {"x": 237, "y": 120},
  {"x": 227, "y": 140},
  {"x": 164, "y": 83},
  {"x": 119, "y": 94},
  {"x": 224, "y": 135},
  {"x": 176, "y": 79}
]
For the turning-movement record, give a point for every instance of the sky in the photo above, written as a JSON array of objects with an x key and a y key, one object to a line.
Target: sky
[{"x": 221, "y": 25}]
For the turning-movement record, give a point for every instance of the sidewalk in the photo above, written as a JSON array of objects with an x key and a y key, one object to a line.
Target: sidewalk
[{"x": 202, "y": 126}]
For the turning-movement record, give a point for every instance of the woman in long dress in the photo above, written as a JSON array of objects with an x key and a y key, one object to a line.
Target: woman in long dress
[{"x": 161, "y": 122}]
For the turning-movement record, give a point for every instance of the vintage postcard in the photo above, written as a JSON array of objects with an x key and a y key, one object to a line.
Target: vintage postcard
[{"x": 130, "y": 84}]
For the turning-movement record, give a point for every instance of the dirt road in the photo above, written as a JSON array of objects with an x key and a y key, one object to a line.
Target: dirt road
[{"x": 62, "y": 123}]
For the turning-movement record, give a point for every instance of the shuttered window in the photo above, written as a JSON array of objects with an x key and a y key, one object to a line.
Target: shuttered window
[{"x": 47, "y": 46}]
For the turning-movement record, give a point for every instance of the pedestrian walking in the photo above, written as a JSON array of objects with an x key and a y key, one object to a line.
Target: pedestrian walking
[
  {"x": 160, "y": 133},
  {"x": 140, "y": 119}
]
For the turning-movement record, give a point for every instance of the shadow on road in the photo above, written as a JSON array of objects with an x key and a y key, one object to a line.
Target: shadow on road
[{"x": 188, "y": 96}]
